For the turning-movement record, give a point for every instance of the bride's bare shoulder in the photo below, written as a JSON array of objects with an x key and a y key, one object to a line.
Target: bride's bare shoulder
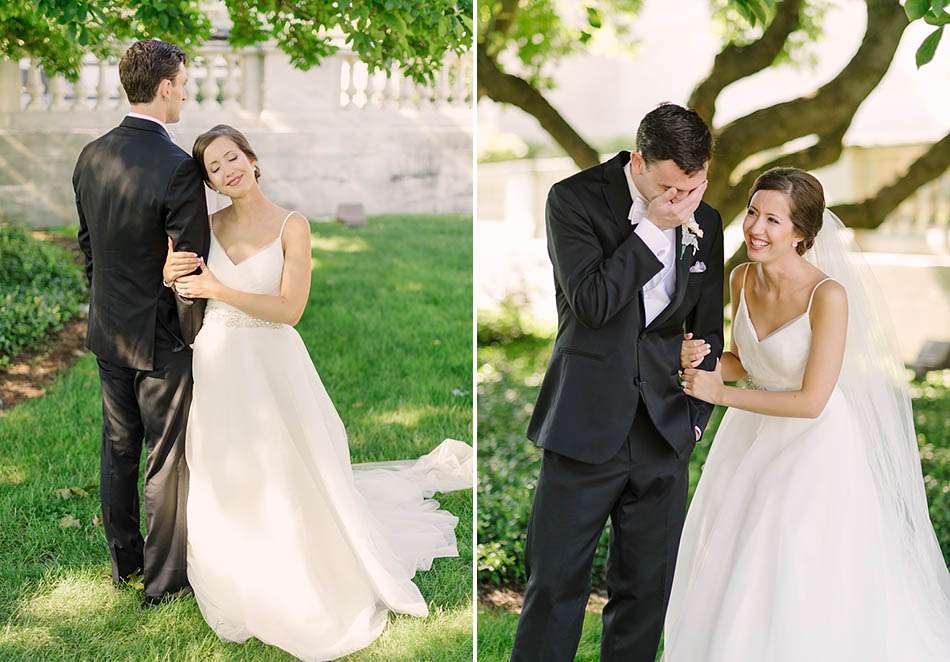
[
  {"x": 828, "y": 296},
  {"x": 296, "y": 226}
]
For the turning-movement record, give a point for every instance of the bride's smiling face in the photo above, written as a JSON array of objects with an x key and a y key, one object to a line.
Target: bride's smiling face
[
  {"x": 768, "y": 229},
  {"x": 229, "y": 169}
]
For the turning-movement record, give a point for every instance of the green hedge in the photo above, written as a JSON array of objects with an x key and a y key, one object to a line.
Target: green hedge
[
  {"x": 41, "y": 288},
  {"x": 510, "y": 368}
]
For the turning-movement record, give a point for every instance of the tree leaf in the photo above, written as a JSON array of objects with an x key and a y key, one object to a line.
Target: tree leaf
[
  {"x": 761, "y": 11},
  {"x": 937, "y": 19},
  {"x": 70, "y": 522},
  {"x": 927, "y": 49},
  {"x": 916, "y": 9}
]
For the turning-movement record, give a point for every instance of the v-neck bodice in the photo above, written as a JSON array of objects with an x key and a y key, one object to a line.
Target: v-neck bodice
[
  {"x": 777, "y": 361},
  {"x": 259, "y": 273}
]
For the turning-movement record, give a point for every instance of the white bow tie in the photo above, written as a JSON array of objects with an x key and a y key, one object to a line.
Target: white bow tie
[{"x": 637, "y": 210}]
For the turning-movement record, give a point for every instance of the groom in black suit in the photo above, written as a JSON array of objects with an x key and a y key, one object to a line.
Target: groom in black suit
[
  {"x": 637, "y": 257},
  {"x": 134, "y": 189}
]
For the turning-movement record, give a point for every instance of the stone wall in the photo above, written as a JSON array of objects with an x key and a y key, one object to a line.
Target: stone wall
[{"x": 325, "y": 137}]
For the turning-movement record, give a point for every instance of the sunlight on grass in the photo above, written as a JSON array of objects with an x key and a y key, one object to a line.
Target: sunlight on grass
[
  {"x": 444, "y": 635},
  {"x": 408, "y": 415},
  {"x": 11, "y": 474},
  {"x": 26, "y": 638},
  {"x": 409, "y": 286},
  {"x": 339, "y": 244},
  {"x": 72, "y": 596}
]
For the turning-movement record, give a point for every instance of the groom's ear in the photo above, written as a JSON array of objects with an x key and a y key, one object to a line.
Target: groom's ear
[{"x": 636, "y": 162}]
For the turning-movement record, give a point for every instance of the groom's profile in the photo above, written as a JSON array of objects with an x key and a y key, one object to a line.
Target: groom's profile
[
  {"x": 134, "y": 189},
  {"x": 637, "y": 258}
]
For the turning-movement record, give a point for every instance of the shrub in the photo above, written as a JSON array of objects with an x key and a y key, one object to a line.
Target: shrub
[{"x": 41, "y": 288}]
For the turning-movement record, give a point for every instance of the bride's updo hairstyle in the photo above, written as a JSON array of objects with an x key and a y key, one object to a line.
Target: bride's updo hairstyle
[
  {"x": 806, "y": 200},
  {"x": 209, "y": 136}
]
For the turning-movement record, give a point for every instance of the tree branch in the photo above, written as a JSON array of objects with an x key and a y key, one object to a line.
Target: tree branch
[
  {"x": 507, "y": 88},
  {"x": 832, "y": 104},
  {"x": 825, "y": 151},
  {"x": 737, "y": 62},
  {"x": 496, "y": 34},
  {"x": 871, "y": 212}
]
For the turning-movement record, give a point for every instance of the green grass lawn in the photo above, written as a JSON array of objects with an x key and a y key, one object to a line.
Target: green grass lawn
[
  {"x": 389, "y": 329},
  {"x": 512, "y": 358}
]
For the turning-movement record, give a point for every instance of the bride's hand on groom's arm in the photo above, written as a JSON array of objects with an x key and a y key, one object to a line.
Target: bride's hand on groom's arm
[
  {"x": 203, "y": 285},
  {"x": 705, "y": 385},
  {"x": 178, "y": 263}
]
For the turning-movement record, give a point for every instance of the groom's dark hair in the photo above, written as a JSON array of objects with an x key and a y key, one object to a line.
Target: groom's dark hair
[
  {"x": 147, "y": 63},
  {"x": 673, "y": 133}
]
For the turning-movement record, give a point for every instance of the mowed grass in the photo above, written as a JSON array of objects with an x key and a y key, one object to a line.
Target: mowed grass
[{"x": 389, "y": 328}]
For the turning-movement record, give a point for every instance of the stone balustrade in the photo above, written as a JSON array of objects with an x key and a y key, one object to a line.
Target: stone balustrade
[{"x": 221, "y": 78}]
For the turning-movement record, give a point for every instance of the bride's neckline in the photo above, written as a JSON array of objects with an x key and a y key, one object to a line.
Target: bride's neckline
[
  {"x": 784, "y": 325},
  {"x": 780, "y": 327},
  {"x": 256, "y": 252}
]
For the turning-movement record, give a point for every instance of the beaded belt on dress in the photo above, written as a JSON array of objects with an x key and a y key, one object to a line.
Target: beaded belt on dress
[
  {"x": 216, "y": 313},
  {"x": 751, "y": 384}
]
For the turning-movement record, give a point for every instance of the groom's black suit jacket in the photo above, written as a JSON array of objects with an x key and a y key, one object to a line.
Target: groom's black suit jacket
[
  {"x": 604, "y": 359},
  {"x": 135, "y": 187}
]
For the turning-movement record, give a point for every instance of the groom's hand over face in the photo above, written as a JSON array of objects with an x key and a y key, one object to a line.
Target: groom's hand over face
[{"x": 665, "y": 212}]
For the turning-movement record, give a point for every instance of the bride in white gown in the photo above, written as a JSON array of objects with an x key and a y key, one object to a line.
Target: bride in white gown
[
  {"x": 808, "y": 537},
  {"x": 286, "y": 541}
]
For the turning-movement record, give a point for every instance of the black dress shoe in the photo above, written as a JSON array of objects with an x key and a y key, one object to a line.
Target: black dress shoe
[{"x": 149, "y": 601}]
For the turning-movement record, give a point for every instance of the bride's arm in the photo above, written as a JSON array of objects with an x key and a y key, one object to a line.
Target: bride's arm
[
  {"x": 286, "y": 307},
  {"x": 829, "y": 321}
]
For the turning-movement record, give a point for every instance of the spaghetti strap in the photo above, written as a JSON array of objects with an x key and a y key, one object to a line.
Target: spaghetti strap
[
  {"x": 745, "y": 276},
  {"x": 812, "y": 297},
  {"x": 282, "y": 225}
]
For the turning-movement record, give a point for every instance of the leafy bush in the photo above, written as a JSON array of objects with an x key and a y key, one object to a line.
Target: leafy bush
[
  {"x": 509, "y": 377},
  {"x": 41, "y": 288}
]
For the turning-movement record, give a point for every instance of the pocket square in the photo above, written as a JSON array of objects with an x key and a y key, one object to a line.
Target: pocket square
[{"x": 697, "y": 268}]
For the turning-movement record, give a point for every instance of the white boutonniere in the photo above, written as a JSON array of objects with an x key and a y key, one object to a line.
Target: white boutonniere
[{"x": 692, "y": 233}]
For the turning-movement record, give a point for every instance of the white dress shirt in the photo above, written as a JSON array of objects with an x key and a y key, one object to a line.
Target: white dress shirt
[
  {"x": 152, "y": 119},
  {"x": 658, "y": 292}
]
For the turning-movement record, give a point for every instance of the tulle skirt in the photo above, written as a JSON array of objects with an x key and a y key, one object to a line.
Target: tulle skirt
[
  {"x": 286, "y": 542},
  {"x": 785, "y": 553}
]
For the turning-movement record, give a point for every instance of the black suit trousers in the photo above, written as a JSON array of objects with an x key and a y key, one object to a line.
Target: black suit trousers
[
  {"x": 150, "y": 406},
  {"x": 643, "y": 491}
]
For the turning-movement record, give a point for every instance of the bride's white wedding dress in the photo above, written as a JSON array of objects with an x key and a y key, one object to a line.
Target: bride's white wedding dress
[
  {"x": 286, "y": 541},
  {"x": 785, "y": 554}
]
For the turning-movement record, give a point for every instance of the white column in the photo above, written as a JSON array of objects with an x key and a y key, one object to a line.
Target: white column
[
  {"x": 103, "y": 93},
  {"x": 34, "y": 87},
  {"x": 252, "y": 81},
  {"x": 230, "y": 88},
  {"x": 209, "y": 86},
  {"x": 10, "y": 87},
  {"x": 348, "y": 81},
  {"x": 57, "y": 93},
  {"x": 393, "y": 92},
  {"x": 80, "y": 92}
]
